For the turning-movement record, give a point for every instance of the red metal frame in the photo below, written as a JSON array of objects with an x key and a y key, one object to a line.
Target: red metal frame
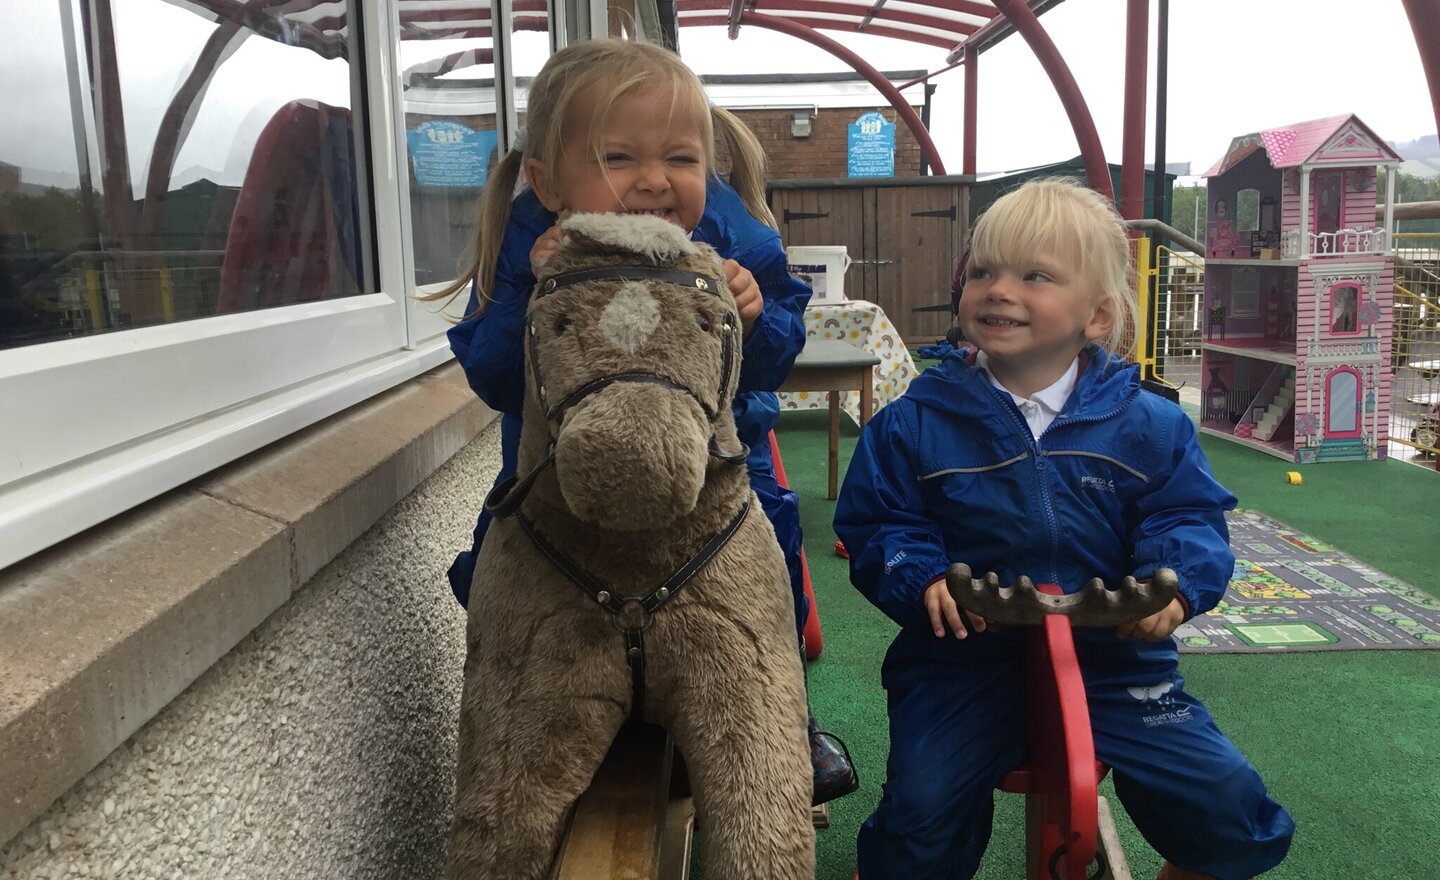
[
  {"x": 1054, "y": 65},
  {"x": 972, "y": 102},
  {"x": 850, "y": 15},
  {"x": 1132, "y": 157},
  {"x": 1060, "y": 775},
  {"x": 824, "y": 24},
  {"x": 861, "y": 66},
  {"x": 1425, "y": 25},
  {"x": 954, "y": 24},
  {"x": 814, "y": 642}
]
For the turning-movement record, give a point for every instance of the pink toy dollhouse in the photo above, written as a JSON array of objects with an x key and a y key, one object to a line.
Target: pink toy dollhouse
[{"x": 1298, "y": 293}]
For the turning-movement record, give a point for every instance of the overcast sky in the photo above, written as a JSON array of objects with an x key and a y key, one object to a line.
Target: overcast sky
[{"x": 1235, "y": 66}]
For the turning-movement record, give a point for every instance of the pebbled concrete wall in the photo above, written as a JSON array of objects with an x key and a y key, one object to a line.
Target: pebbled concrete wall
[{"x": 321, "y": 746}]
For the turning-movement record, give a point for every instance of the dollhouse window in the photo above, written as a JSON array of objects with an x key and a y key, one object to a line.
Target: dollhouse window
[
  {"x": 1329, "y": 193},
  {"x": 1269, "y": 217},
  {"x": 1247, "y": 210},
  {"x": 1344, "y": 309},
  {"x": 1342, "y": 403},
  {"x": 1244, "y": 294}
]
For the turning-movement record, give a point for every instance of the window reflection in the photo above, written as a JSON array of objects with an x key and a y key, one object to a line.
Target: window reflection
[
  {"x": 186, "y": 161},
  {"x": 448, "y": 81}
]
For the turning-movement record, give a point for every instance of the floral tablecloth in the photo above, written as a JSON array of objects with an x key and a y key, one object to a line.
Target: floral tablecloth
[{"x": 863, "y": 325}]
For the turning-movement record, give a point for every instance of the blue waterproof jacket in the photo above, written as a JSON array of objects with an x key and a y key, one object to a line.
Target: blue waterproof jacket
[
  {"x": 489, "y": 346},
  {"x": 1116, "y": 485}
]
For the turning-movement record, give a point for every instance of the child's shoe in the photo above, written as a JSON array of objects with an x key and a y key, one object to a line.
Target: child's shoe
[{"x": 834, "y": 771}]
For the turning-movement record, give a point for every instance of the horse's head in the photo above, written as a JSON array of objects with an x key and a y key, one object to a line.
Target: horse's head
[{"x": 632, "y": 352}]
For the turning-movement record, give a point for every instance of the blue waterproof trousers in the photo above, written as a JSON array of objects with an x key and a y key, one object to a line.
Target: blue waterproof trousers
[{"x": 957, "y": 725}]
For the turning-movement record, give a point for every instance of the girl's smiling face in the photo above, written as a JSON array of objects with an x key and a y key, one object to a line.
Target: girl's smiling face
[{"x": 647, "y": 157}]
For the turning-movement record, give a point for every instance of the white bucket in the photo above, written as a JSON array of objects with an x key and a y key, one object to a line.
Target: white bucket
[{"x": 826, "y": 265}]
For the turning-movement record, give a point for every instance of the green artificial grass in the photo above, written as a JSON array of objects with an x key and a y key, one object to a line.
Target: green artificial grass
[{"x": 1349, "y": 742}]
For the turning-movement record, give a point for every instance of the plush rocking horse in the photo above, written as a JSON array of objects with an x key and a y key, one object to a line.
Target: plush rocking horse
[{"x": 630, "y": 573}]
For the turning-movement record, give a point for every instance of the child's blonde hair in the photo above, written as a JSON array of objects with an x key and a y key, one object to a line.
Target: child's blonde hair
[
  {"x": 1063, "y": 217},
  {"x": 563, "y": 86}
]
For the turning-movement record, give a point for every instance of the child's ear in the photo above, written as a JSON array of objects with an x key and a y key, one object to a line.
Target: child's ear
[
  {"x": 542, "y": 184},
  {"x": 1102, "y": 321}
]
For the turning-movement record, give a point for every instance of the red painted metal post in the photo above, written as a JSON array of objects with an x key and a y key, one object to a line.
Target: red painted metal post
[
  {"x": 1080, "y": 120},
  {"x": 860, "y": 66},
  {"x": 972, "y": 92},
  {"x": 1062, "y": 807},
  {"x": 1132, "y": 160},
  {"x": 1425, "y": 25}
]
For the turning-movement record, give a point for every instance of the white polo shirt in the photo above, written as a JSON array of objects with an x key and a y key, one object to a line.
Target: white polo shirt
[{"x": 1040, "y": 408}]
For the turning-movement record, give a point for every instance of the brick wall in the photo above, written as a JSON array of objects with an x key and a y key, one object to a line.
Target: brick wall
[{"x": 822, "y": 154}]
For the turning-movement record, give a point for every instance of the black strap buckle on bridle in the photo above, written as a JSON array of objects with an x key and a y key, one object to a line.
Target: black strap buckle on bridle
[{"x": 650, "y": 603}]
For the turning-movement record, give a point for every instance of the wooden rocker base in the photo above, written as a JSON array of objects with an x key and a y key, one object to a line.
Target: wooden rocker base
[
  {"x": 820, "y": 816},
  {"x": 1117, "y": 868},
  {"x": 636, "y": 821}
]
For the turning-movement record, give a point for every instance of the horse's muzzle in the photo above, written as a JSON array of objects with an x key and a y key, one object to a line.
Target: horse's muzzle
[{"x": 633, "y": 456}]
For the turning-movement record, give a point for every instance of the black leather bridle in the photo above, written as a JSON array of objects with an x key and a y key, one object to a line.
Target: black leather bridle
[{"x": 506, "y": 498}]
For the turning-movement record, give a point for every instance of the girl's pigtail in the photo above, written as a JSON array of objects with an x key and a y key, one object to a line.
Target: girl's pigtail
[
  {"x": 492, "y": 217},
  {"x": 747, "y": 163}
]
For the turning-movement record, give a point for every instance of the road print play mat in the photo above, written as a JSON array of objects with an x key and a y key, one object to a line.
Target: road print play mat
[{"x": 1291, "y": 592}]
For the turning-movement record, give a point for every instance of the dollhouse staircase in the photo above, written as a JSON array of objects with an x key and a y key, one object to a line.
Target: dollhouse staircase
[{"x": 1276, "y": 410}]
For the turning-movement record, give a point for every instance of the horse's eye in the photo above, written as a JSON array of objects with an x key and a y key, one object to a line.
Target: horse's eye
[
  {"x": 562, "y": 324},
  {"x": 703, "y": 322}
]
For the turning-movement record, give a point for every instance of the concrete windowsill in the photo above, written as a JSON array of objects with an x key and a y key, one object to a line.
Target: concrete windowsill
[{"x": 99, "y": 633}]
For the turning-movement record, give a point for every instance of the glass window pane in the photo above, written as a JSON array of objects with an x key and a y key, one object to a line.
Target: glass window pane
[
  {"x": 180, "y": 164},
  {"x": 1247, "y": 210},
  {"x": 448, "y": 81}
]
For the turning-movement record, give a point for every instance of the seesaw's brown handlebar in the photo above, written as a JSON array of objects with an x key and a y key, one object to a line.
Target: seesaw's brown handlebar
[{"x": 1093, "y": 605}]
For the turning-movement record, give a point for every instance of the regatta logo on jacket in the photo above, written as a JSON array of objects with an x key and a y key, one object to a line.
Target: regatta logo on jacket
[{"x": 1102, "y": 484}]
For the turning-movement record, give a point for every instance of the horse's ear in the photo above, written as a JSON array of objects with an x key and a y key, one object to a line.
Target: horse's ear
[{"x": 651, "y": 238}]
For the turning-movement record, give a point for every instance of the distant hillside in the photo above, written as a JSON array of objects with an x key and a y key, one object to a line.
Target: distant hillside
[{"x": 1427, "y": 147}]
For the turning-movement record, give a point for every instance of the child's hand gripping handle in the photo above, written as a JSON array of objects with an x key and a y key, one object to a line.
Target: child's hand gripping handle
[{"x": 1094, "y": 605}]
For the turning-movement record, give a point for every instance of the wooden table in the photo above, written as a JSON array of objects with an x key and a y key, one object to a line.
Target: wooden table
[
  {"x": 865, "y": 326},
  {"x": 1427, "y": 369},
  {"x": 835, "y": 367}
]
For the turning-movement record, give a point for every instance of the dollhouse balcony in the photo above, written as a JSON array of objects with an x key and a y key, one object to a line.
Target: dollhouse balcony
[
  {"x": 1365, "y": 348},
  {"x": 1340, "y": 243}
]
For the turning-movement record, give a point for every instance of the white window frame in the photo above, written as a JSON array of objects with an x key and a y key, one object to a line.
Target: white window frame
[{"x": 91, "y": 427}]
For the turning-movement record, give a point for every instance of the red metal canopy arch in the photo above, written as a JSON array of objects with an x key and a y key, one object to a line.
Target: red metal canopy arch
[{"x": 964, "y": 27}]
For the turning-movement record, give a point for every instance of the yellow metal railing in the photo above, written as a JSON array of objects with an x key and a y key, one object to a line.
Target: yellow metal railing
[
  {"x": 1172, "y": 293},
  {"x": 1415, "y": 351}
]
